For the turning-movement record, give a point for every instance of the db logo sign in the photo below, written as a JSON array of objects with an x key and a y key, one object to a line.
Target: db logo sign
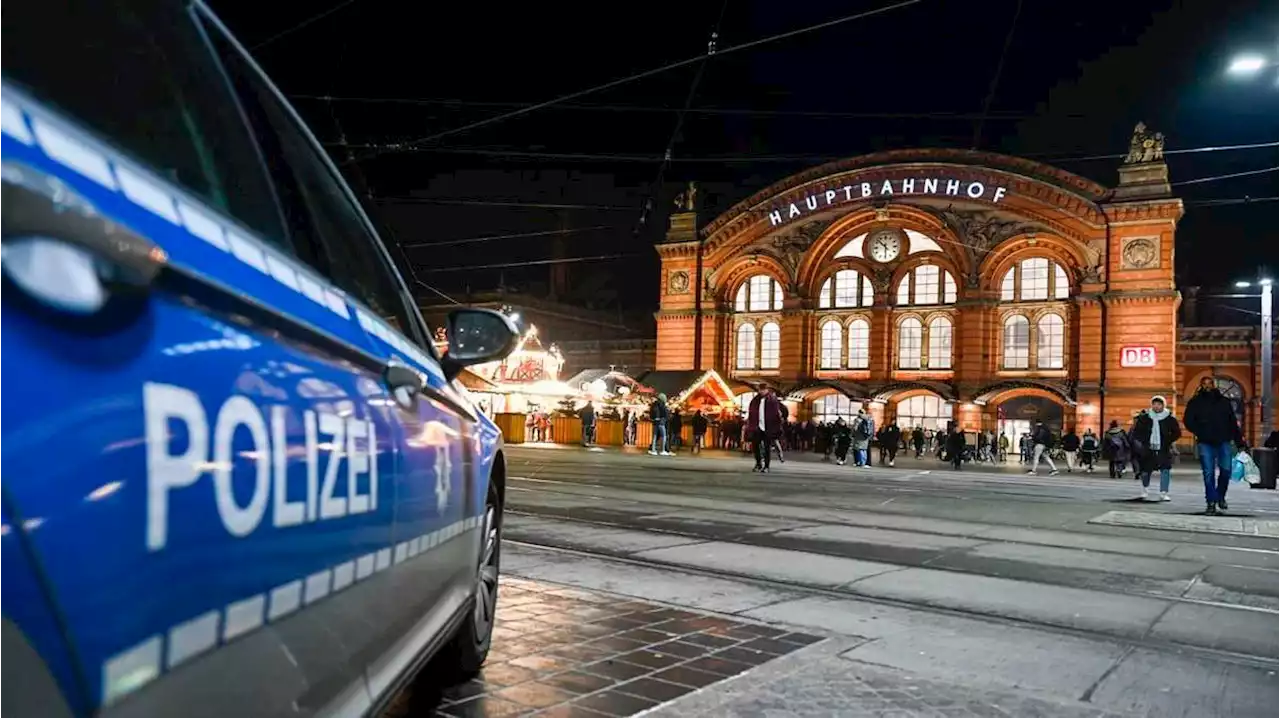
[{"x": 1137, "y": 356}]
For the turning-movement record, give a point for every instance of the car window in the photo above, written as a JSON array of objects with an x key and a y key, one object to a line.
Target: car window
[
  {"x": 326, "y": 225},
  {"x": 138, "y": 73}
]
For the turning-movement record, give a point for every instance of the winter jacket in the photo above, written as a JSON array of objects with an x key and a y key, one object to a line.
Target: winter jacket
[
  {"x": 1070, "y": 442},
  {"x": 658, "y": 412},
  {"x": 840, "y": 434},
  {"x": 772, "y": 409},
  {"x": 699, "y": 424},
  {"x": 1043, "y": 436},
  {"x": 891, "y": 437},
  {"x": 864, "y": 427},
  {"x": 1089, "y": 443},
  {"x": 1210, "y": 417},
  {"x": 1140, "y": 439},
  {"x": 1115, "y": 444}
]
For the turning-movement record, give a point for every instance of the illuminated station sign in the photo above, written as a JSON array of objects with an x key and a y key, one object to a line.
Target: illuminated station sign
[{"x": 877, "y": 189}]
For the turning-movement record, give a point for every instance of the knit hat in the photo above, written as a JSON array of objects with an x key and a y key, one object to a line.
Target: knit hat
[{"x": 1158, "y": 398}]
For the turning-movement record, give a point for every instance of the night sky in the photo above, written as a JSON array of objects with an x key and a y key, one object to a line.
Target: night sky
[{"x": 1076, "y": 77}]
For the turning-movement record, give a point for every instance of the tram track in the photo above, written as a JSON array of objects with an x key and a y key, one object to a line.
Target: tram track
[{"x": 801, "y": 589}]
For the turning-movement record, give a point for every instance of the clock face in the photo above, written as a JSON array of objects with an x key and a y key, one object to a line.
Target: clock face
[{"x": 885, "y": 246}]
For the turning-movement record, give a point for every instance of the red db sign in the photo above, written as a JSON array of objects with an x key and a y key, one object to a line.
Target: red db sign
[{"x": 1137, "y": 356}]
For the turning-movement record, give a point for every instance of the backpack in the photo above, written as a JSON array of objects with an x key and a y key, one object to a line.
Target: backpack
[
  {"x": 1116, "y": 442},
  {"x": 860, "y": 429}
]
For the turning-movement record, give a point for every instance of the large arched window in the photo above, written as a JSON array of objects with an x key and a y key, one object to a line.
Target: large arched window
[
  {"x": 846, "y": 288},
  {"x": 770, "y": 345},
  {"x": 829, "y": 345},
  {"x": 834, "y": 406},
  {"x": 910, "y": 335},
  {"x": 1035, "y": 279},
  {"x": 746, "y": 347},
  {"x": 940, "y": 343},
  {"x": 1231, "y": 389},
  {"x": 859, "y": 344},
  {"x": 1049, "y": 342},
  {"x": 760, "y": 293},
  {"x": 926, "y": 412},
  {"x": 1017, "y": 342},
  {"x": 927, "y": 284}
]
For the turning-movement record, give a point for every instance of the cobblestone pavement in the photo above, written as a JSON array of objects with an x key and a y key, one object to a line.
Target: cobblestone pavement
[
  {"x": 566, "y": 652},
  {"x": 820, "y": 682}
]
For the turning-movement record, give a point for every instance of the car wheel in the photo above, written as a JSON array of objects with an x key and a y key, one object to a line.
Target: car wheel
[{"x": 466, "y": 653}]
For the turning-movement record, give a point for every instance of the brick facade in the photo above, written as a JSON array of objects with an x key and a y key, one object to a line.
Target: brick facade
[{"x": 1039, "y": 277}]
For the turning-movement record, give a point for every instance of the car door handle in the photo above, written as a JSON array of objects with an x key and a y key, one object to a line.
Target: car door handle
[
  {"x": 399, "y": 376},
  {"x": 65, "y": 254}
]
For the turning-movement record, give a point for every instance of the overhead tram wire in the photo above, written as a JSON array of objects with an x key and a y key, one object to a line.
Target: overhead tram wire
[
  {"x": 298, "y": 26},
  {"x": 1217, "y": 178},
  {"x": 534, "y": 263},
  {"x": 995, "y": 78},
  {"x": 493, "y": 237},
  {"x": 473, "y": 202},
  {"x": 641, "y": 75},
  {"x": 656, "y": 187}
]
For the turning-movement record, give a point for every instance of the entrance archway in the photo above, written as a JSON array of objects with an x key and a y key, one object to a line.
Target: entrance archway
[
  {"x": 927, "y": 411},
  {"x": 1018, "y": 415}
]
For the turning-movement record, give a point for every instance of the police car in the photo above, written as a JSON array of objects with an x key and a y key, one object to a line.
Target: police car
[{"x": 237, "y": 478}]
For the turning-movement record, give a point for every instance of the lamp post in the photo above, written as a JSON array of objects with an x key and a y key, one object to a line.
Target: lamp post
[{"x": 1264, "y": 397}]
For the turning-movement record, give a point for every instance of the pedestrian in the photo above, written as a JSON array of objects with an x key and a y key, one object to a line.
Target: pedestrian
[
  {"x": 1212, "y": 419},
  {"x": 764, "y": 416},
  {"x": 1004, "y": 447},
  {"x": 588, "y": 416},
  {"x": 777, "y": 442},
  {"x": 864, "y": 427},
  {"x": 1154, "y": 433},
  {"x": 917, "y": 441},
  {"x": 674, "y": 425},
  {"x": 658, "y": 416},
  {"x": 841, "y": 439},
  {"x": 1115, "y": 448},
  {"x": 955, "y": 447},
  {"x": 892, "y": 439},
  {"x": 1041, "y": 440},
  {"x": 699, "y": 431},
  {"x": 1088, "y": 449},
  {"x": 1071, "y": 447}
]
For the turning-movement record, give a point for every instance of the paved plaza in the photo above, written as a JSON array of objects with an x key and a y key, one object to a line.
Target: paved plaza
[{"x": 911, "y": 591}]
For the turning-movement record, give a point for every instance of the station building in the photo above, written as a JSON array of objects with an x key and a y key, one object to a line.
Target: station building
[{"x": 940, "y": 285}]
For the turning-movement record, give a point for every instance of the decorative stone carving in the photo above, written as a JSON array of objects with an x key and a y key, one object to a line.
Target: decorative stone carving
[
  {"x": 881, "y": 277},
  {"x": 1140, "y": 253},
  {"x": 678, "y": 282},
  {"x": 686, "y": 201},
  {"x": 791, "y": 246},
  {"x": 1145, "y": 146},
  {"x": 1095, "y": 255},
  {"x": 980, "y": 231}
]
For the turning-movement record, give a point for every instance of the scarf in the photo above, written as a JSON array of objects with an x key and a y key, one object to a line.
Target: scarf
[{"x": 1156, "y": 418}]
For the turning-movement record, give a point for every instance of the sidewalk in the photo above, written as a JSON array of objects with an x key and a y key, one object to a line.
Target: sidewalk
[{"x": 904, "y": 461}]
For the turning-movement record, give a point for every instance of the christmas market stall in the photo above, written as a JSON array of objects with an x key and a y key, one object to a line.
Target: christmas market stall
[
  {"x": 615, "y": 396},
  {"x": 689, "y": 391}
]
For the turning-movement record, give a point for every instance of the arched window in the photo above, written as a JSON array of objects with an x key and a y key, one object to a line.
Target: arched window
[
  {"x": 1017, "y": 342},
  {"x": 770, "y": 344},
  {"x": 910, "y": 333},
  {"x": 927, "y": 284},
  {"x": 940, "y": 343},
  {"x": 1035, "y": 279},
  {"x": 926, "y": 412},
  {"x": 859, "y": 344},
  {"x": 846, "y": 289},
  {"x": 829, "y": 346},
  {"x": 1231, "y": 389},
  {"x": 760, "y": 293},
  {"x": 834, "y": 406},
  {"x": 746, "y": 347},
  {"x": 1049, "y": 342}
]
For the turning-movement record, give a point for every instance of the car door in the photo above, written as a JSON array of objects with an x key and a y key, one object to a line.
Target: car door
[
  {"x": 434, "y": 543},
  {"x": 198, "y": 434}
]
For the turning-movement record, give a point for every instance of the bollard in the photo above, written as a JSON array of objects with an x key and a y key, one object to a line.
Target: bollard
[{"x": 1266, "y": 461}]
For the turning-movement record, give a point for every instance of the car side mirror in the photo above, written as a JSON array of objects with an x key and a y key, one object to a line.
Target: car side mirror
[{"x": 477, "y": 336}]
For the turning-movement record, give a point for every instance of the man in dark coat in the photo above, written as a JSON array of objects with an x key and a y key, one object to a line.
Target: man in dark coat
[
  {"x": 588, "y": 416},
  {"x": 1041, "y": 441},
  {"x": 955, "y": 447},
  {"x": 699, "y": 430},
  {"x": 1212, "y": 419},
  {"x": 890, "y": 440},
  {"x": 658, "y": 416},
  {"x": 841, "y": 438},
  {"x": 764, "y": 422},
  {"x": 917, "y": 441}
]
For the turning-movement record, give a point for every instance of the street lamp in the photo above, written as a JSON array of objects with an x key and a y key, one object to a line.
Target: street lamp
[{"x": 1265, "y": 397}]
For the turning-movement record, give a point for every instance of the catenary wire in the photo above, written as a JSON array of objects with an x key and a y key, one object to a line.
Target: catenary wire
[
  {"x": 995, "y": 78},
  {"x": 647, "y": 73},
  {"x": 493, "y": 237},
  {"x": 303, "y": 23},
  {"x": 533, "y": 263}
]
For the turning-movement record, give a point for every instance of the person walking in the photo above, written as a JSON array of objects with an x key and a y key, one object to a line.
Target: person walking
[
  {"x": 1116, "y": 449},
  {"x": 1041, "y": 440},
  {"x": 1004, "y": 447},
  {"x": 864, "y": 427},
  {"x": 955, "y": 447},
  {"x": 588, "y": 416},
  {"x": 891, "y": 439},
  {"x": 917, "y": 441},
  {"x": 699, "y": 431},
  {"x": 658, "y": 416},
  {"x": 1071, "y": 447},
  {"x": 782, "y": 429},
  {"x": 1212, "y": 420},
  {"x": 764, "y": 416},
  {"x": 1088, "y": 449},
  {"x": 1154, "y": 433},
  {"x": 841, "y": 438},
  {"x": 674, "y": 425}
]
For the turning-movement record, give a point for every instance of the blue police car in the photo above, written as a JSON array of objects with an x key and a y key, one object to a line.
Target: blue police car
[{"x": 237, "y": 478}]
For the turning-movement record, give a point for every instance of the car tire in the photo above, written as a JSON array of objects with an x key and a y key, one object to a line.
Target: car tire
[{"x": 465, "y": 654}]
